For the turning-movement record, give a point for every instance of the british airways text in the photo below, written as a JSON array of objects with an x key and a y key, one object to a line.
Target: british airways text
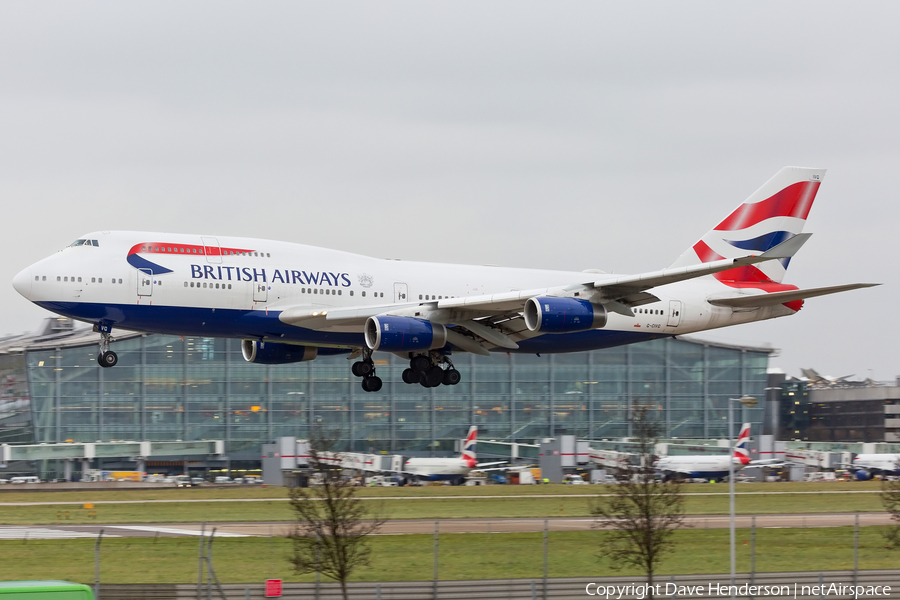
[{"x": 223, "y": 273}]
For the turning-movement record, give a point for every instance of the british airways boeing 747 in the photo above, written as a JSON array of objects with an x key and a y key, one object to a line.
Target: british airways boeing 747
[{"x": 289, "y": 302}]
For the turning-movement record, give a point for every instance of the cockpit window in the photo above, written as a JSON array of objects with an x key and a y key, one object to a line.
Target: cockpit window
[
  {"x": 93, "y": 243},
  {"x": 77, "y": 243}
]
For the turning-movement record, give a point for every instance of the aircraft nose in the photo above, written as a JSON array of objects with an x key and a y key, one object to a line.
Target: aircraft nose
[{"x": 22, "y": 282}]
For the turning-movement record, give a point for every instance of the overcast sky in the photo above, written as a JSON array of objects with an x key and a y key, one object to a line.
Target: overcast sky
[{"x": 568, "y": 135}]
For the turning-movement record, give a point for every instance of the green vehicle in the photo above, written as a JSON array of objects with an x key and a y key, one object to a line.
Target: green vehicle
[{"x": 44, "y": 590}]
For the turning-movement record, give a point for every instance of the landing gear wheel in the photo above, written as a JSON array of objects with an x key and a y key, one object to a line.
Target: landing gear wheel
[
  {"x": 451, "y": 377},
  {"x": 432, "y": 377},
  {"x": 410, "y": 376},
  {"x": 362, "y": 368},
  {"x": 420, "y": 363},
  {"x": 371, "y": 384},
  {"x": 108, "y": 359}
]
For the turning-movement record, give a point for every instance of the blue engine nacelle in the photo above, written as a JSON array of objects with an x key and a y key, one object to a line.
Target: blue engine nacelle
[
  {"x": 863, "y": 475},
  {"x": 272, "y": 353},
  {"x": 563, "y": 315},
  {"x": 399, "y": 334}
]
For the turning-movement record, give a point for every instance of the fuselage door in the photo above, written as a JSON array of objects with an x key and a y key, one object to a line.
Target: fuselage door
[
  {"x": 211, "y": 250},
  {"x": 260, "y": 291},
  {"x": 674, "y": 313},
  {"x": 400, "y": 293},
  {"x": 145, "y": 282}
]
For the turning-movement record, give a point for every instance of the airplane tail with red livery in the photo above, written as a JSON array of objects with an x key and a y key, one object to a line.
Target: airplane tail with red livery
[
  {"x": 468, "y": 452},
  {"x": 773, "y": 214},
  {"x": 742, "y": 447}
]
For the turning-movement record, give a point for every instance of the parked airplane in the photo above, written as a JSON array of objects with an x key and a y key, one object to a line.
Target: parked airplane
[
  {"x": 448, "y": 469},
  {"x": 714, "y": 468},
  {"x": 867, "y": 465},
  {"x": 812, "y": 377},
  {"x": 289, "y": 302}
]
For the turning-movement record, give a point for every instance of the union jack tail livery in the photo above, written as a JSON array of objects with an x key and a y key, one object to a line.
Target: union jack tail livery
[
  {"x": 773, "y": 214},
  {"x": 468, "y": 453},
  {"x": 741, "y": 449}
]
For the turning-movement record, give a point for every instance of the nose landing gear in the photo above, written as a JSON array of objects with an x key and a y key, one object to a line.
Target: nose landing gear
[{"x": 107, "y": 358}]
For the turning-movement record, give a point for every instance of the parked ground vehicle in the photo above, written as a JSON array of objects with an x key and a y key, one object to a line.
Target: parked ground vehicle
[
  {"x": 381, "y": 481},
  {"x": 223, "y": 479},
  {"x": 573, "y": 479}
]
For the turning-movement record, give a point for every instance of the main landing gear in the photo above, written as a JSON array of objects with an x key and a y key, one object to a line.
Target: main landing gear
[
  {"x": 365, "y": 368},
  {"x": 427, "y": 371},
  {"x": 107, "y": 358}
]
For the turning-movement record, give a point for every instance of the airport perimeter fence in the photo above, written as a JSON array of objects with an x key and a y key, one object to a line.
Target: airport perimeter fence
[{"x": 828, "y": 585}]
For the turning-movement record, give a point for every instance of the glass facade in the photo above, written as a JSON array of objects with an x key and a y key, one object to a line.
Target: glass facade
[{"x": 168, "y": 388}]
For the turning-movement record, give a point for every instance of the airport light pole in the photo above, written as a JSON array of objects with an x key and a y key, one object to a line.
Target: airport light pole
[{"x": 749, "y": 402}]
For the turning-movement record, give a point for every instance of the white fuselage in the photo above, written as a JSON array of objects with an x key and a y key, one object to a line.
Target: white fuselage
[
  {"x": 698, "y": 466},
  {"x": 878, "y": 462},
  {"x": 241, "y": 290},
  {"x": 437, "y": 469}
]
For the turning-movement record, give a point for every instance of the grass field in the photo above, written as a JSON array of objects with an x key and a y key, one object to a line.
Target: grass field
[
  {"x": 10, "y": 493},
  {"x": 424, "y": 503},
  {"x": 461, "y": 556}
]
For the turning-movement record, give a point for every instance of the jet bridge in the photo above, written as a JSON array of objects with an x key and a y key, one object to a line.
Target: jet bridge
[{"x": 129, "y": 450}]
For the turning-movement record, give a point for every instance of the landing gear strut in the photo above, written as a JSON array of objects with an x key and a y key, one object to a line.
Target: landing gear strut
[
  {"x": 365, "y": 368},
  {"x": 426, "y": 370},
  {"x": 107, "y": 358}
]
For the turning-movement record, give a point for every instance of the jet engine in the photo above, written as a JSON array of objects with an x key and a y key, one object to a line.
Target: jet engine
[
  {"x": 563, "y": 315},
  {"x": 863, "y": 475},
  {"x": 401, "y": 334},
  {"x": 273, "y": 353}
]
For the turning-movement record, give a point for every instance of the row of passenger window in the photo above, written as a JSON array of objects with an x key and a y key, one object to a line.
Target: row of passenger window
[
  {"x": 66, "y": 279},
  {"x": 433, "y": 297},
  {"x": 204, "y": 285}
]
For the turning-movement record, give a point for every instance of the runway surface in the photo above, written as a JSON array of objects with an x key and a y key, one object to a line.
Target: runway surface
[{"x": 405, "y": 527}]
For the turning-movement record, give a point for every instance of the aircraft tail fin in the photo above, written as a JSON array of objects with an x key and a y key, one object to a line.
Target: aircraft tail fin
[
  {"x": 742, "y": 447},
  {"x": 772, "y": 214},
  {"x": 468, "y": 451}
]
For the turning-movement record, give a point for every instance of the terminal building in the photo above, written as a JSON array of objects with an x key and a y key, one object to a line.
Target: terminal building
[
  {"x": 168, "y": 388},
  {"x": 839, "y": 412}
]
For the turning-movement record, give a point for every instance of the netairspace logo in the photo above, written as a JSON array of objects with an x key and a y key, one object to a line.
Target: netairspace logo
[{"x": 642, "y": 590}]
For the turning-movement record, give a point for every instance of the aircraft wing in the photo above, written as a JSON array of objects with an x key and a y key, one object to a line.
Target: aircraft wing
[
  {"x": 772, "y": 462},
  {"x": 479, "y": 466},
  {"x": 476, "y": 323},
  {"x": 681, "y": 470},
  {"x": 622, "y": 289},
  {"x": 506, "y": 468}
]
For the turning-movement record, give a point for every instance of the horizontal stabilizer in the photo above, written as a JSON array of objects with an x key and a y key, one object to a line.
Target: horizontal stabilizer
[{"x": 774, "y": 298}]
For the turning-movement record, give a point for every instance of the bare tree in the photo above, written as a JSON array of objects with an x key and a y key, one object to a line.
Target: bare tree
[
  {"x": 640, "y": 514},
  {"x": 890, "y": 499},
  {"x": 332, "y": 526}
]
